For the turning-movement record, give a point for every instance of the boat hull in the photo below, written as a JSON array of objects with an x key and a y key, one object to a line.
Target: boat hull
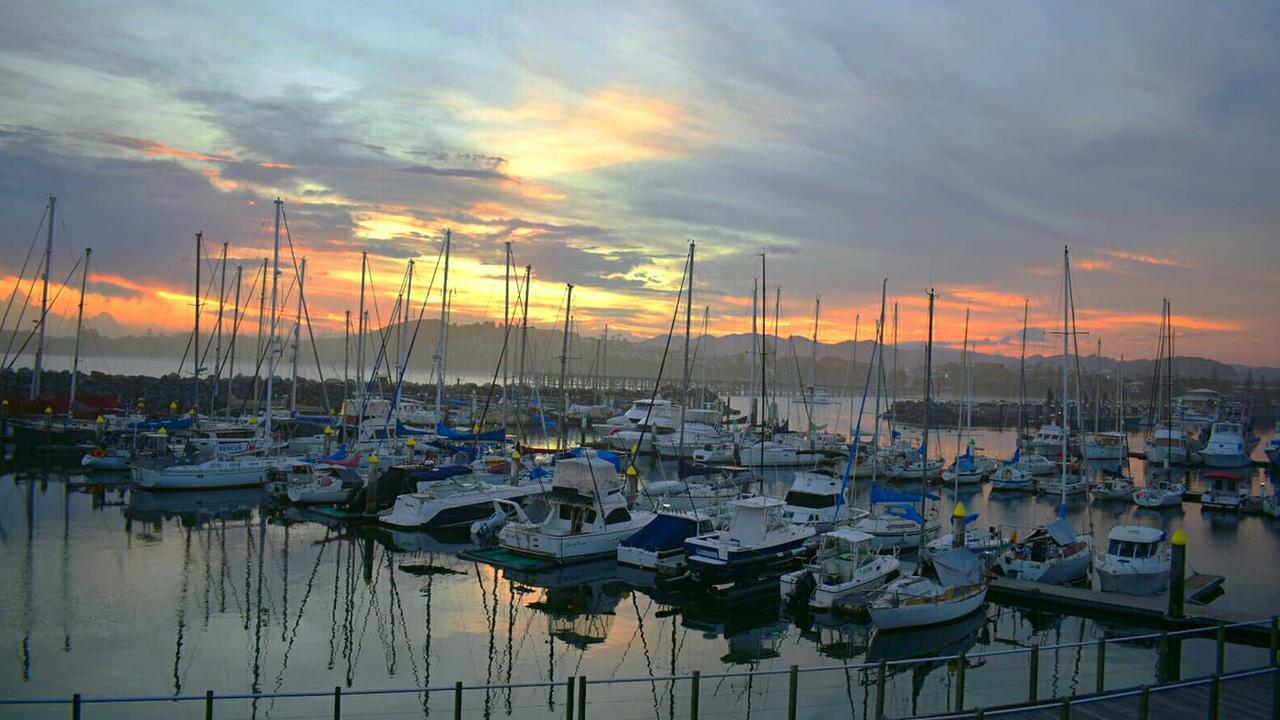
[
  {"x": 189, "y": 478},
  {"x": 925, "y": 614},
  {"x": 1131, "y": 583}
]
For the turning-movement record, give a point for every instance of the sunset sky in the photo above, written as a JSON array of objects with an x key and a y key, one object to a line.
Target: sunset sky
[{"x": 958, "y": 146}]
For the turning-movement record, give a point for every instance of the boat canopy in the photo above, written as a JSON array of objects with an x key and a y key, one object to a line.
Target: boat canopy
[
  {"x": 958, "y": 566},
  {"x": 885, "y": 495},
  {"x": 665, "y": 532},
  {"x": 447, "y": 432},
  {"x": 1061, "y": 531}
]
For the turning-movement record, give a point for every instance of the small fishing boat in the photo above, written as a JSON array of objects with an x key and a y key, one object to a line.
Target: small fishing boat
[
  {"x": 845, "y": 568},
  {"x": 920, "y": 601},
  {"x": 757, "y": 539},
  {"x": 661, "y": 542},
  {"x": 1052, "y": 554},
  {"x": 1136, "y": 561},
  {"x": 1160, "y": 494},
  {"x": 1049, "y": 440},
  {"x": 1224, "y": 490}
]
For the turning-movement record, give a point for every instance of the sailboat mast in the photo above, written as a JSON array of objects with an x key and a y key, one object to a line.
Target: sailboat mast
[
  {"x": 1097, "y": 395},
  {"x": 262, "y": 319},
  {"x": 893, "y": 385},
  {"x": 777, "y": 337},
  {"x": 441, "y": 349},
  {"x": 924, "y": 444},
  {"x": 217, "y": 354},
  {"x": 702, "y": 382},
  {"x": 813, "y": 368},
  {"x": 360, "y": 331},
  {"x": 195, "y": 385},
  {"x": 75, "y": 355},
  {"x": 271, "y": 339},
  {"x": 506, "y": 326},
  {"x": 1022, "y": 373},
  {"x": 235, "y": 331},
  {"x": 37, "y": 368},
  {"x": 297, "y": 337},
  {"x": 524, "y": 335},
  {"x": 1120, "y": 396},
  {"x": 688, "y": 334},
  {"x": 764, "y": 352},
  {"x": 853, "y": 368},
  {"x": 564, "y": 366},
  {"x": 755, "y": 295},
  {"x": 1066, "y": 416},
  {"x": 961, "y": 395}
]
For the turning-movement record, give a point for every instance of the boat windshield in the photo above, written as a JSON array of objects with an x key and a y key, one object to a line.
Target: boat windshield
[
  {"x": 1128, "y": 549},
  {"x": 799, "y": 498}
]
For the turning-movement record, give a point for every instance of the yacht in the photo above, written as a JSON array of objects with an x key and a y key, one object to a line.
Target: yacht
[
  {"x": 1136, "y": 561},
  {"x": 1048, "y": 440},
  {"x": 769, "y": 453},
  {"x": 637, "y": 414},
  {"x": 816, "y": 498},
  {"x": 1224, "y": 491},
  {"x": 454, "y": 502},
  {"x": 919, "y": 601},
  {"x": 1168, "y": 444},
  {"x": 1106, "y": 446},
  {"x": 846, "y": 568},
  {"x": 817, "y": 395},
  {"x": 699, "y": 429},
  {"x": 1053, "y": 554},
  {"x": 1159, "y": 494},
  {"x": 758, "y": 538},
  {"x": 1227, "y": 446},
  {"x": 588, "y": 515}
]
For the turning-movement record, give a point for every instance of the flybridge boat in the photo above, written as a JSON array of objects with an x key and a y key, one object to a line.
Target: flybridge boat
[
  {"x": 1136, "y": 561},
  {"x": 638, "y": 413},
  {"x": 757, "y": 539},
  {"x": 588, "y": 515},
  {"x": 454, "y": 502},
  {"x": 1168, "y": 444},
  {"x": 1228, "y": 446},
  {"x": 846, "y": 567}
]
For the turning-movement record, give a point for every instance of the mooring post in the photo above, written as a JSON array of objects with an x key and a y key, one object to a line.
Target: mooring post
[
  {"x": 75, "y": 706},
  {"x": 1178, "y": 573},
  {"x": 568, "y": 703},
  {"x": 1144, "y": 703},
  {"x": 1033, "y": 689},
  {"x": 1222, "y": 648},
  {"x": 794, "y": 685},
  {"x": 337, "y": 702},
  {"x": 582, "y": 697},
  {"x": 208, "y": 705},
  {"x": 694, "y": 682},
  {"x": 880, "y": 673},
  {"x": 1102, "y": 663},
  {"x": 960, "y": 669},
  {"x": 1170, "y": 658},
  {"x": 457, "y": 700}
]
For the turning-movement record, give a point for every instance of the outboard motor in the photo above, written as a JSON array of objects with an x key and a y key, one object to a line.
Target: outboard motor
[
  {"x": 804, "y": 590},
  {"x": 490, "y": 526}
]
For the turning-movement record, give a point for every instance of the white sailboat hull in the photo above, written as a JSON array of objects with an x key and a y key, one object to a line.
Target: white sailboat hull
[{"x": 210, "y": 475}]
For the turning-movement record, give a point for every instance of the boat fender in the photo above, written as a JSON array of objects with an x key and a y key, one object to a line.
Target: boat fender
[
  {"x": 805, "y": 586},
  {"x": 98, "y": 452}
]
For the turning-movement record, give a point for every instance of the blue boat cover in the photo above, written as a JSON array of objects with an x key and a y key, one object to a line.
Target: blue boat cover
[
  {"x": 439, "y": 473},
  {"x": 605, "y": 455},
  {"x": 957, "y": 566},
  {"x": 665, "y": 532},
  {"x": 885, "y": 495},
  {"x": 405, "y": 430},
  {"x": 180, "y": 424},
  {"x": 446, "y": 432}
]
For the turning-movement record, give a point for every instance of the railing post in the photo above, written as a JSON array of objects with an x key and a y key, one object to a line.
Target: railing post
[
  {"x": 582, "y": 697},
  {"x": 568, "y": 703},
  {"x": 960, "y": 669},
  {"x": 1144, "y": 703},
  {"x": 75, "y": 706},
  {"x": 880, "y": 673},
  {"x": 1033, "y": 691},
  {"x": 694, "y": 683},
  {"x": 1215, "y": 695},
  {"x": 208, "y": 705},
  {"x": 337, "y": 702},
  {"x": 1275, "y": 693},
  {"x": 1222, "y": 648},
  {"x": 1066, "y": 709},
  {"x": 793, "y": 686},
  {"x": 457, "y": 700},
  {"x": 1102, "y": 664},
  {"x": 979, "y": 714},
  {"x": 1275, "y": 640}
]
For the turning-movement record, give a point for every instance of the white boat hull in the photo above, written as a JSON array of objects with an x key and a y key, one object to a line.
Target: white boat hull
[
  {"x": 926, "y": 613},
  {"x": 204, "y": 476},
  {"x": 1119, "y": 580},
  {"x": 528, "y": 540}
]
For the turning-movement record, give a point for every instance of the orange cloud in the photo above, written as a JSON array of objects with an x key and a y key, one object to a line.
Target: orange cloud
[
  {"x": 1143, "y": 259},
  {"x": 151, "y": 147}
]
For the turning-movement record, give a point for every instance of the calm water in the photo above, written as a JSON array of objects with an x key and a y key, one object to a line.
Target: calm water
[{"x": 113, "y": 592}]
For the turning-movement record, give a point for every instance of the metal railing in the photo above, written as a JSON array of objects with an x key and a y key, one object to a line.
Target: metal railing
[{"x": 576, "y": 688}]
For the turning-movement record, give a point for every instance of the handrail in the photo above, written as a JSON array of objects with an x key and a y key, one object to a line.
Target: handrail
[{"x": 1272, "y": 621}]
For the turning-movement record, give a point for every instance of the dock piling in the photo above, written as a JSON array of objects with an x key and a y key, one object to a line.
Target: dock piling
[
  {"x": 1275, "y": 640},
  {"x": 568, "y": 703},
  {"x": 1066, "y": 709},
  {"x": 694, "y": 682},
  {"x": 1222, "y": 648},
  {"x": 1144, "y": 703},
  {"x": 582, "y": 697},
  {"x": 1178, "y": 574},
  {"x": 1033, "y": 688},
  {"x": 1215, "y": 697},
  {"x": 75, "y": 706}
]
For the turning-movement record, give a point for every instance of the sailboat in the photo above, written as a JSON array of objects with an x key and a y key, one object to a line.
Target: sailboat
[
  {"x": 1053, "y": 553},
  {"x": 965, "y": 470},
  {"x": 957, "y": 586},
  {"x": 1114, "y": 444}
]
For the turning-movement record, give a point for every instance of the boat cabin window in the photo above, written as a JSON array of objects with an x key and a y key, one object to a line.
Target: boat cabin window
[
  {"x": 809, "y": 500},
  {"x": 617, "y": 515},
  {"x": 1127, "y": 549}
]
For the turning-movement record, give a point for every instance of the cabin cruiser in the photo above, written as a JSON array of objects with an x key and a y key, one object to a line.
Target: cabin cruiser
[
  {"x": 691, "y": 493},
  {"x": 845, "y": 568},
  {"x": 716, "y": 453},
  {"x": 1168, "y": 444},
  {"x": 1224, "y": 491},
  {"x": 1227, "y": 446},
  {"x": 588, "y": 515},
  {"x": 1136, "y": 561},
  {"x": 919, "y": 600},
  {"x": 661, "y": 542},
  {"x": 1053, "y": 554},
  {"x": 1049, "y": 440},
  {"x": 816, "y": 498},
  {"x": 1106, "y": 446},
  {"x": 455, "y": 502},
  {"x": 1036, "y": 464},
  {"x": 757, "y": 539},
  {"x": 638, "y": 413},
  {"x": 699, "y": 429}
]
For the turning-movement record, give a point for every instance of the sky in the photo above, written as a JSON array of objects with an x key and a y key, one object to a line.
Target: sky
[{"x": 954, "y": 146}]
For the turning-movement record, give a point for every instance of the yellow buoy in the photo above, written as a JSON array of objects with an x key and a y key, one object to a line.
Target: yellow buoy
[
  {"x": 101, "y": 420},
  {"x": 48, "y": 410},
  {"x": 173, "y": 406}
]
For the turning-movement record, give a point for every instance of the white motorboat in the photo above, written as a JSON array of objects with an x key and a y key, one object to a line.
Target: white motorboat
[
  {"x": 920, "y": 601},
  {"x": 638, "y": 413},
  {"x": 694, "y": 494},
  {"x": 588, "y": 515},
  {"x": 845, "y": 568},
  {"x": 1167, "y": 444},
  {"x": 696, "y": 435},
  {"x": 816, "y": 498},
  {"x": 1224, "y": 491},
  {"x": 915, "y": 469},
  {"x": 311, "y": 484},
  {"x": 1052, "y": 554},
  {"x": 757, "y": 539},
  {"x": 1227, "y": 447},
  {"x": 454, "y": 502},
  {"x": 817, "y": 395},
  {"x": 1136, "y": 561},
  {"x": 247, "y": 472},
  {"x": 1114, "y": 487},
  {"x": 1106, "y": 446},
  {"x": 769, "y": 453},
  {"x": 1036, "y": 465},
  {"x": 230, "y": 442},
  {"x": 1049, "y": 440},
  {"x": 1159, "y": 494},
  {"x": 715, "y": 453},
  {"x": 661, "y": 542}
]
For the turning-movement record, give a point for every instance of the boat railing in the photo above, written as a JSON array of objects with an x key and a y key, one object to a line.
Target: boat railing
[{"x": 984, "y": 684}]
